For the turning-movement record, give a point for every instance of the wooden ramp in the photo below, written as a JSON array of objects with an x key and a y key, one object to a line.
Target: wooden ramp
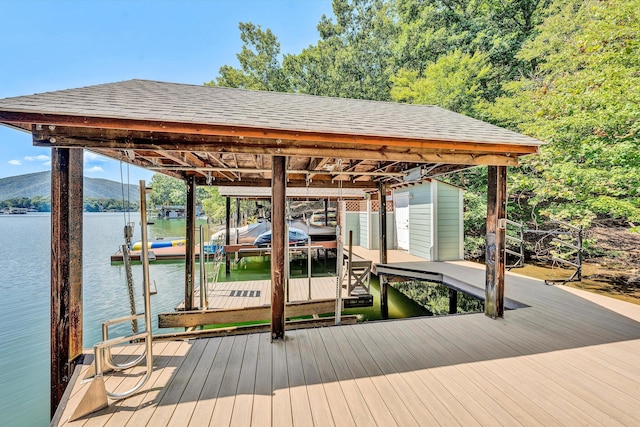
[{"x": 571, "y": 358}]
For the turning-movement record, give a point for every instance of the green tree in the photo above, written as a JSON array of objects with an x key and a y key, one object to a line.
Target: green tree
[
  {"x": 260, "y": 67},
  {"x": 167, "y": 190},
  {"x": 456, "y": 81},
  {"x": 354, "y": 57},
  {"x": 583, "y": 99}
]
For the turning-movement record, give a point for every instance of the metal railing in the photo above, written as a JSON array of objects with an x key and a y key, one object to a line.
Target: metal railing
[{"x": 96, "y": 395}]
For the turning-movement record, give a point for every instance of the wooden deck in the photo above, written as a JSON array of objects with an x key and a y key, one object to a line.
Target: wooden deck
[
  {"x": 571, "y": 358},
  {"x": 251, "y": 293}
]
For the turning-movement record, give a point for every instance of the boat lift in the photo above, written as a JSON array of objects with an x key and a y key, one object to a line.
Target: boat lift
[
  {"x": 568, "y": 240},
  {"x": 96, "y": 396}
]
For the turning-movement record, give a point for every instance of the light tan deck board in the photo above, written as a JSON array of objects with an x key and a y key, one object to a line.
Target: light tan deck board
[
  {"x": 336, "y": 398},
  {"x": 363, "y": 366},
  {"x": 186, "y": 404},
  {"x": 364, "y": 402},
  {"x": 300, "y": 408},
  {"x": 173, "y": 392},
  {"x": 319, "y": 404},
  {"x": 228, "y": 389},
  {"x": 281, "y": 395},
  {"x": 208, "y": 396},
  {"x": 569, "y": 359},
  {"x": 261, "y": 414},
  {"x": 242, "y": 412},
  {"x": 163, "y": 359}
]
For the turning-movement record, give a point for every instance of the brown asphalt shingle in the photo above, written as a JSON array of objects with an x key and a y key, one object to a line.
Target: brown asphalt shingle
[{"x": 173, "y": 102}]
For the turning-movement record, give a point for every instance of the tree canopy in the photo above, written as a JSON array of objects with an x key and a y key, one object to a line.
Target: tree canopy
[{"x": 564, "y": 71}]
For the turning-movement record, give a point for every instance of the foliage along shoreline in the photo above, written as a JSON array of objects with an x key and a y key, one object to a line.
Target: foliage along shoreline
[{"x": 90, "y": 204}]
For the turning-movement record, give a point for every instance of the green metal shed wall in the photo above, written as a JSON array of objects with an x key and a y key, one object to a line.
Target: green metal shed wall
[
  {"x": 420, "y": 220},
  {"x": 449, "y": 232},
  {"x": 352, "y": 223}
]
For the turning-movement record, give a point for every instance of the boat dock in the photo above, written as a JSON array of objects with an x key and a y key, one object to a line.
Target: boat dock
[
  {"x": 570, "y": 357},
  {"x": 253, "y": 293}
]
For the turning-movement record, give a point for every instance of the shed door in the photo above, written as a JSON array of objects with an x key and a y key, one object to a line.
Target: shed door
[{"x": 401, "y": 212}]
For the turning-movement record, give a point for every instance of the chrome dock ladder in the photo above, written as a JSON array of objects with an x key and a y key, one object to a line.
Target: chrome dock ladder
[{"x": 96, "y": 396}]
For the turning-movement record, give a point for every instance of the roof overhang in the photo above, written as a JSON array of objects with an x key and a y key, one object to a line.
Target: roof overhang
[{"x": 225, "y": 137}]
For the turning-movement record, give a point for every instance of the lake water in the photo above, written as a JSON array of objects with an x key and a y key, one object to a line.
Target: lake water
[
  {"x": 25, "y": 297},
  {"x": 25, "y": 248}
]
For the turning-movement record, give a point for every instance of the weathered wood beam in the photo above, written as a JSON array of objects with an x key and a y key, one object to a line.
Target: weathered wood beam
[
  {"x": 66, "y": 267},
  {"x": 43, "y": 122},
  {"x": 495, "y": 249},
  {"x": 213, "y": 157},
  {"x": 190, "y": 246},
  {"x": 290, "y": 325},
  {"x": 426, "y": 151},
  {"x": 187, "y": 319},
  {"x": 278, "y": 238},
  {"x": 325, "y": 183}
]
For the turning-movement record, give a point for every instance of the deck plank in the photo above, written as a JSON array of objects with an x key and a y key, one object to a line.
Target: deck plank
[
  {"x": 189, "y": 397},
  {"x": 281, "y": 396},
  {"x": 261, "y": 414},
  {"x": 300, "y": 407},
  {"x": 208, "y": 396},
  {"x": 569, "y": 358},
  {"x": 334, "y": 393},
  {"x": 243, "y": 405},
  {"x": 361, "y": 412},
  {"x": 319, "y": 405}
]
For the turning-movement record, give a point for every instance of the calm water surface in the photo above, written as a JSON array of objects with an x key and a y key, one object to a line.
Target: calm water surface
[{"x": 25, "y": 247}]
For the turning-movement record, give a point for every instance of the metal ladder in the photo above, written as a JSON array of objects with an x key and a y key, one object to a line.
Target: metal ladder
[{"x": 96, "y": 396}]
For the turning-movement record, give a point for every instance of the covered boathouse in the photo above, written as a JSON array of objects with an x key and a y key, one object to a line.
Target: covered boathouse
[{"x": 568, "y": 358}]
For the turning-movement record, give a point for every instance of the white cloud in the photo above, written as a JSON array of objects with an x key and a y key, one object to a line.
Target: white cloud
[
  {"x": 47, "y": 163},
  {"x": 15, "y": 162},
  {"x": 94, "y": 169},
  {"x": 38, "y": 158},
  {"x": 93, "y": 157}
]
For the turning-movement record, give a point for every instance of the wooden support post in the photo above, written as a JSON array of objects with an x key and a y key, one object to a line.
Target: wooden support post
[
  {"x": 190, "y": 248},
  {"x": 326, "y": 212},
  {"x": 66, "y": 267},
  {"x": 384, "y": 297},
  {"x": 495, "y": 249},
  {"x": 278, "y": 198},
  {"x": 238, "y": 219},
  {"x": 227, "y": 239},
  {"x": 382, "y": 216},
  {"x": 453, "y": 301}
]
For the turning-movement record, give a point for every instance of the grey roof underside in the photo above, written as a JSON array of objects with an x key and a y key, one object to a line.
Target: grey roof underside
[{"x": 181, "y": 103}]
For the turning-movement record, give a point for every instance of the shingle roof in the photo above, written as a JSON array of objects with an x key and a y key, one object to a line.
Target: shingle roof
[{"x": 182, "y": 103}]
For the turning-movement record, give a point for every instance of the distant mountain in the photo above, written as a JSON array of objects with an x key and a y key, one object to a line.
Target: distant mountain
[{"x": 39, "y": 184}]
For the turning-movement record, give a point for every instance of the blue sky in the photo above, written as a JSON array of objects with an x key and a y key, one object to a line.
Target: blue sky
[{"x": 52, "y": 45}]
